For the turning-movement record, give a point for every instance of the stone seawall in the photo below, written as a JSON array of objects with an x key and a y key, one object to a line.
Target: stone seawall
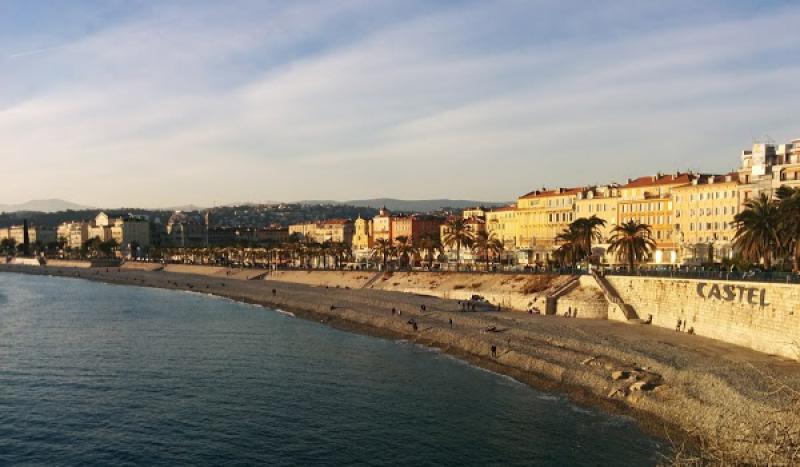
[
  {"x": 511, "y": 291},
  {"x": 760, "y": 316}
]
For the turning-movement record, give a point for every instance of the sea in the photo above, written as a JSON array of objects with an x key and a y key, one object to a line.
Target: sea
[{"x": 93, "y": 374}]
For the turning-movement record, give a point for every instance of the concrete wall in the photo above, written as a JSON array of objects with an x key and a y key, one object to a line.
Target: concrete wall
[
  {"x": 584, "y": 301},
  {"x": 761, "y": 316}
]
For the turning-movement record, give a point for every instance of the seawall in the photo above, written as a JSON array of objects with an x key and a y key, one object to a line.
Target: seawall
[{"x": 760, "y": 316}]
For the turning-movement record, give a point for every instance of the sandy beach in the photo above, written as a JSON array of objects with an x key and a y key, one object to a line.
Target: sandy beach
[{"x": 686, "y": 387}]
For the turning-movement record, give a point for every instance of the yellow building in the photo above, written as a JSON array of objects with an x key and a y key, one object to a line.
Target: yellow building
[
  {"x": 703, "y": 213},
  {"x": 602, "y": 202},
  {"x": 362, "y": 234},
  {"x": 541, "y": 216},
  {"x": 35, "y": 234},
  {"x": 332, "y": 230},
  {"x": 648, "y": 200},
  {"x": 382, "y": 226},
  {"x": 502, "y": 223},
  {"x": 75, "y": 234}
]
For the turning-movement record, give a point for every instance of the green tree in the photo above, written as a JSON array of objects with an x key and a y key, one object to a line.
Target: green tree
[
  {"x": 758, "y": 230},
  {"x": 382, "y": 248},
  {"x": 632, "y": 242},
  {"x": 406, "y": 250},
  {"x": 457, "y": 234},
  {"x": 485, "y": 244},
  {"x": 430, "y": 244},
  {"x": 789, "y": 223},
  {"x": 8, "y": 245}
]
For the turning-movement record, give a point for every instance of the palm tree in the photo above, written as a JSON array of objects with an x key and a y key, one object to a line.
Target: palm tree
[
  {"x": 382, "y": 248},
  {"x": 430, "y": 244},
  {"x": 632, "y": 242},
  {"x": 486, "y": 244},
  {"x": 405, "y": 250},
  {"x": 572, "y": 247},
  {"x": 588, "y": 232},
  {"x": 458, "y": 234},
  {"x": 789, "y": 228},
  {"x": 757, "y": 230},
  {"x": 576, "y": 240}
]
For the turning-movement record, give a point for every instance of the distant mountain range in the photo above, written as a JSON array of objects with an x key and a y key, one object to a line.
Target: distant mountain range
[
  {"x": 420, "y": 205},
  {"x": 43, "y": 205}
]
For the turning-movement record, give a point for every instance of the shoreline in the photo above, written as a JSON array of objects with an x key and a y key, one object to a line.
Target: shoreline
[{"x": 546, "y": 353}]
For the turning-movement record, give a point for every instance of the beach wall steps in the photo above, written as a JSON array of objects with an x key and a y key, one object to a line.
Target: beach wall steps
[
  {"x": 372, "y": 280},
  {"x": 552, "y": 296},
  {"x": 615, "y": 301}
]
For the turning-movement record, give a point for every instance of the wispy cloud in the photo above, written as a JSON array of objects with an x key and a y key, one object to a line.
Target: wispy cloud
[
  {"x": 355, "y": 98},
  {"x": 27, "y": 53}
]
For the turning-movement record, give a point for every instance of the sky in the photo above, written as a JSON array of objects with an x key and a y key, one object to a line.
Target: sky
[{"x": 162, "y": 103}]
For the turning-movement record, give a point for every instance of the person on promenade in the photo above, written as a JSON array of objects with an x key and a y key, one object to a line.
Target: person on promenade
[
  {"x": 494, "y": 351},
  {"x": 274, "y": 292},
  {"x": 451, "y": 323},
  {"x": 678, "y": 327},
  {"x": 393, "y": 311}
]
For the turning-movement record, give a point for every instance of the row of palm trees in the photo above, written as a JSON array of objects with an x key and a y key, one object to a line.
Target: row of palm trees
[
  {"x": 429, "y": 248},
  {"x": 631, "y": 242}
]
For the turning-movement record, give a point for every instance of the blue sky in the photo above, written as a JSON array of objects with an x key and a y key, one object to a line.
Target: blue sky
[{"x": 112, "y": 103}]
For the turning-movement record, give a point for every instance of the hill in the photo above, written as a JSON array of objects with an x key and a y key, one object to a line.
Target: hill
[
  {"x": 43, "y": 205},
  {"x": 421, "y": 205}
]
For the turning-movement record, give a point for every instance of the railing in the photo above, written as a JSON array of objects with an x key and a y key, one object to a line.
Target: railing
[{"x": 745, "y": 276}]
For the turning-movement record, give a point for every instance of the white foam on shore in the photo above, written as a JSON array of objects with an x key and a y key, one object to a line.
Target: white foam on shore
[
  {"x": 284, "y": 312},
  {"x": 485, "y": 370}
]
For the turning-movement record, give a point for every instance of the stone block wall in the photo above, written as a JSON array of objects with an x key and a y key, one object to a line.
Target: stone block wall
[{"x": 761, "y": 316}]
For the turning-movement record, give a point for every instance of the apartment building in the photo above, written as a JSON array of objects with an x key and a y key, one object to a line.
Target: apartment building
[{"x": 703, "y": 216}]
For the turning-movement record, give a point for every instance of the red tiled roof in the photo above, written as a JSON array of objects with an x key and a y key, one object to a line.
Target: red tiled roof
[
  {"x": 555, "y": 192},
  {"x": 504, "y": 208},
  {"x": 661, "y": 179}
]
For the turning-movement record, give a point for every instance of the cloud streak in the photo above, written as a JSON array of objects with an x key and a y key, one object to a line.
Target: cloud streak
[{"x": 355, "y": 99}]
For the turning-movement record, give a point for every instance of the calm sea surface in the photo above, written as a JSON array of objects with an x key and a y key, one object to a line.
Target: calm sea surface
[{"x": 95, "y": 374}]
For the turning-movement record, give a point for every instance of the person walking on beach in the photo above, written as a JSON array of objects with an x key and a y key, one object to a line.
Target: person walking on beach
[
  {"x": 393, "y": 311},
  {"x": 494, "y": 351},
  {"x": 451, "y": 323},
  {"x": 678, "y": 327},
  {"x": 274, "y": 292}
]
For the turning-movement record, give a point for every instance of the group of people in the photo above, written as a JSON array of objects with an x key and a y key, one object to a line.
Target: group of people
[{"x": 681, "y": 326}]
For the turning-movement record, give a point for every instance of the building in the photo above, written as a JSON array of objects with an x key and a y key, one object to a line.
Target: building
[
  {"x": 187, "y": 231},
  {"x": 703, "y": 216},
  {"x": 36, "y": 234},
  {"x": 541, "y": 216},
  {"x": 333, "y": 230},
  {"x": 415, "y": 226},
  {"x": 648, "y": 200},
  {"x": 131, "y": 233},
  {"x": 362, "y": 237},
  {"x": 602, "y": 202},
  {"x": 272, "y": 236},
  {"x": 767, "y": 167},
  {"x": 502, "y": 223},
  {"x": 100, "y": 227},
  {"x": 74, "y": 234},
  {"x": 382, "y": 226}
]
